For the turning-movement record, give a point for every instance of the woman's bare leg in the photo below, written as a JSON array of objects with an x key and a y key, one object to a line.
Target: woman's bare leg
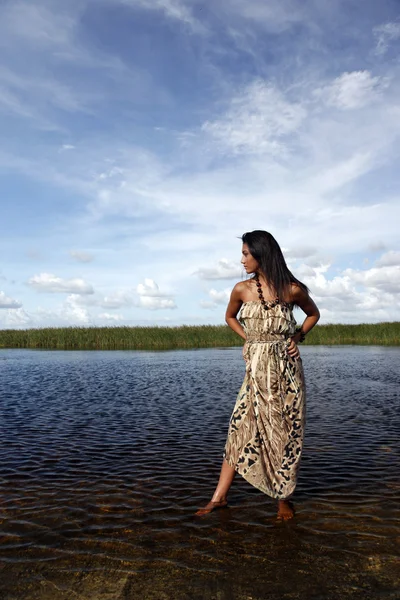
[
  {"x": 221, "y": 491},
  {"x": 225, "y": 481}
]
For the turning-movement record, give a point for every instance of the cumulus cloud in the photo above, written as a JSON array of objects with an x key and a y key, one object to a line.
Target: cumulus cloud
[
  {"x": 50, "y": 283},
  {"x": 389, "y": 259},
  {"x": 69, "y": 312},
  {"x": 257, "y": 121},
  {"x": 149, "y": 288},
  {"x": 75, "y": 313},
  {"x": 150, "y": 296},
  {"x": 368, "y": 295},
  {"x": 349, "y": 295},
  {"x": 80, "y": 256},
  {"x": 152, "y": 303},
  {"x": 18, "y": 318},
  {"x": 118, "y": 299},
  {"x": 147, "y": 295},
  {"x": 385, "y": 278},
  {"x": 385, "y": 34},
  {"x": 225, "y": 269},
  {"x": 351, "y": 90},
  {"x": 321, "y": 286},
  {"x": 216, "y": 298},
  {"x": 110, "y": 317},
  {"x": 7, "y": 302},
  {"x": 220, "y": 297}
]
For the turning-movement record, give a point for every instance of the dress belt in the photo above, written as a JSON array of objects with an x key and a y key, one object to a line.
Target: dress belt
[{"x": 266, "y": 338}]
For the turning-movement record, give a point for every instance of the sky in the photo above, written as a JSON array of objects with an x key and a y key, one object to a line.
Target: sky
[{"x": 141, "y": 138}]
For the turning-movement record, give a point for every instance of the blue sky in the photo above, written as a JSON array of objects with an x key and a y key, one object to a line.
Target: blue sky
[{"x": 142, "y": 138}]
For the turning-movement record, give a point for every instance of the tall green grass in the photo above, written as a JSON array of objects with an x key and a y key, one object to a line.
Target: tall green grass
[{"x": 163, "y": 338}]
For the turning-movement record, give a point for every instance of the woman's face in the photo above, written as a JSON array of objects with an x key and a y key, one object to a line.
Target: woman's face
[{"x": 250, "y": 264}]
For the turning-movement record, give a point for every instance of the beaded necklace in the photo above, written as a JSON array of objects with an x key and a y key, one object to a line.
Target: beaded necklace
[{"x": 260, "y": 294}]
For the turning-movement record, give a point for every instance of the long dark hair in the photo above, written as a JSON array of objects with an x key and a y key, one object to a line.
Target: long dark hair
[{"x": 266, "y": 250}]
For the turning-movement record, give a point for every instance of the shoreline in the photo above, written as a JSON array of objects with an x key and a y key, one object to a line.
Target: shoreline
[{"x": 185, "y": 337}]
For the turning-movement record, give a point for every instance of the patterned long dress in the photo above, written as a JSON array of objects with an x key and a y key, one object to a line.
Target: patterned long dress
[{"x": 266, "y": 429}]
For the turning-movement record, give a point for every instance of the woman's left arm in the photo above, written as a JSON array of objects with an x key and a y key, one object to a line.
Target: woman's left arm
[{"x": 307, "y": 305}]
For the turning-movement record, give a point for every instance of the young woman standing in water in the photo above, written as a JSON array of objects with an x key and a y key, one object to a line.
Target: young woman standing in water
[{"x": 266, "y": 429}]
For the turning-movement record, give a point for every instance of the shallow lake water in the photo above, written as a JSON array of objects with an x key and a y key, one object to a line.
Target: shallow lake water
[{"x": 105, "y": 457}]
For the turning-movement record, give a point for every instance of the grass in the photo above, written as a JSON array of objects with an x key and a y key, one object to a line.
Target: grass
[{"x": 164, "y": 338}]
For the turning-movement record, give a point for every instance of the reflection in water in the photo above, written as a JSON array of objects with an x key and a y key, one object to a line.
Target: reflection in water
[{"x": 105, "y": 456}]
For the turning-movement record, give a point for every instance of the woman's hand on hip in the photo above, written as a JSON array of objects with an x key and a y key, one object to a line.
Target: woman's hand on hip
[
  {"x": 244, "y": 351},
  {"x": 292, "y": 348}
]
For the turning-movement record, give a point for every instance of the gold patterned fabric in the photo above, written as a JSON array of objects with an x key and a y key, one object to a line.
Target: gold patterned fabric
[{"x": 266, "y": 429}]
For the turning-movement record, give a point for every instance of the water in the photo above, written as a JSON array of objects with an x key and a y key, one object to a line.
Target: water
[{"x": 105, "y": 456}]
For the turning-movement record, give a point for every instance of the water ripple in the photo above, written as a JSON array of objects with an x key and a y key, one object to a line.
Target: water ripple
[{"x": 105, "y": 456}]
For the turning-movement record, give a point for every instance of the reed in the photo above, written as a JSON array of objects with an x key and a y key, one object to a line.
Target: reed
[{"x": 163, "y": 338}]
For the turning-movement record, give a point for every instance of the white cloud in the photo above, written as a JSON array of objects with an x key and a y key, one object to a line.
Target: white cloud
[
  {"x": 321, "y": 286},
  {"x": 149, "y": 288},
  {"x": 174, "y": 9},
  {"x": 391, "y": 258},
  {"x": 110, "y": 317},
  {"x": 150, "y": 296},
  {"x": 118, "y": 299},
  {"x": 153, "y": 303},
  {"x": 69, "y": 312},
  {"x": 17, "y": 318},
  {"x": 31, "y": 96},
  {"x": 74, "y": 313},
  {"x": 147, "y": 295},
  {"x": 384, "y": 278},
  {"x": 352, "y": 90},
  {"x": 354, "y": 295},
  {"x": 35, "y": 23},
  {"x": 94, "y": 299},
  {"x": 80, "y": 256},
  {"x": 225, "y": 269},
  {"x": 386, "y": 33},
  {"x": 257, "y": 122},
  {"x": 216, "y": 298},
  {"x": 7, "y": 302},
  {"x": 48, "y": 282},
  {"x": 220, "y": 297},
  {"x": 274, "y": 16}
]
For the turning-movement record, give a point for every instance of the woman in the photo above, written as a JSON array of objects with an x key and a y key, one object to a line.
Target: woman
[{"x": 266, "y": 428}]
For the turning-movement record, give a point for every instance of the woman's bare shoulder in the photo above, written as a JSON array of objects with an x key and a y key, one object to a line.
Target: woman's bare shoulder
[
  {"x": 294, "y": 293},
  {"x": 242, "y": 289}
]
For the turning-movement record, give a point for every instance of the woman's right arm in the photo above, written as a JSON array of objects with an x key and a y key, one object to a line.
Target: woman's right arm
[{"x": 235, "y": 302}]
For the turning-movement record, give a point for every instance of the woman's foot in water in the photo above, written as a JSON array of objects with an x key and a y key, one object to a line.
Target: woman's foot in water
[
  {"x": 212, "y": 505},
  {"x": 285, "y": 510}
]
